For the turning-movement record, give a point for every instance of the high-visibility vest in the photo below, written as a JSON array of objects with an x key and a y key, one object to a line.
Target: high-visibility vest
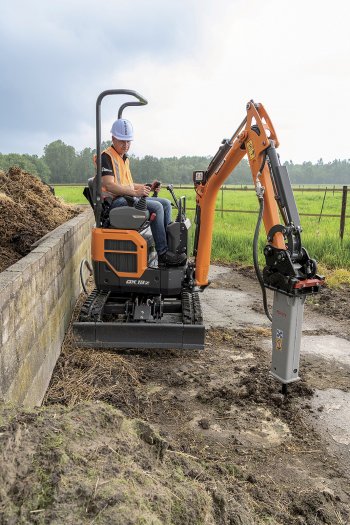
[{"x": 121, "y": 171}]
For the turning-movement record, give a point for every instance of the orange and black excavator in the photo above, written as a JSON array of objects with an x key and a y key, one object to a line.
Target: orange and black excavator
[{"x": 139, "y": 304}]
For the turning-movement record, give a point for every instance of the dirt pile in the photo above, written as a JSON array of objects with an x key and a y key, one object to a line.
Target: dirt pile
[
  {"x": 28, "y": 210},
  {"x": 91, "y": 464}
]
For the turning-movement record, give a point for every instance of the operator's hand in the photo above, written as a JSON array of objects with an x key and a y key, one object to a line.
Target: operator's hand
[
  {"x": 156, "y": 186},
  {"x": 142, "y": 190}
]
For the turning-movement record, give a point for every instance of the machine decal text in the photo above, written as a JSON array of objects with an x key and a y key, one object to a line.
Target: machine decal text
[{"x": 137, "y": 281}]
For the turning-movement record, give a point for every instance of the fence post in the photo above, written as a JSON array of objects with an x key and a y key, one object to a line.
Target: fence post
[
  {"x": 343, "y": 212},
  {"x": 222, "y": 201},
  {"x": 324, "y": 198}
]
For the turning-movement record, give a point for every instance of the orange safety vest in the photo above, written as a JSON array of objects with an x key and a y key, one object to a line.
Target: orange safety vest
[{"x": 121, "y": 171}]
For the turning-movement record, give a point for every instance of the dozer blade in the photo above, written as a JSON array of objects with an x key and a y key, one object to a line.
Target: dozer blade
[{"x": 138, "y": 335}]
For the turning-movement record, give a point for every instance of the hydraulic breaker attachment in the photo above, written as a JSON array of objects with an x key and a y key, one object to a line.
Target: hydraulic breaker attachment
[
  {"x": 287, "y": 320},
  {"x": 291, "y": 273}
]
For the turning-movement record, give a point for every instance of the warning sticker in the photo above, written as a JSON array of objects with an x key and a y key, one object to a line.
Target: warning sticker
[
  {"x": 250, "y": 149},
  {"x": 279, "y": 339}
]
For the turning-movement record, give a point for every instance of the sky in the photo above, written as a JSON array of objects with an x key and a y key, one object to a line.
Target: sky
[{"x": 197, "y": 62}]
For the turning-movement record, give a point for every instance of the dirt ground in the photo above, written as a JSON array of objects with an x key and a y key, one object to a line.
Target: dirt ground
[{"x": 178, "y": 437}]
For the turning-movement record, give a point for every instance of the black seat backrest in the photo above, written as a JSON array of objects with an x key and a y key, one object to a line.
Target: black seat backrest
[
  {"x": 88, "y": 192},
  {"x": 91, "y": 183},
  {"x": 127, "y": 218}
]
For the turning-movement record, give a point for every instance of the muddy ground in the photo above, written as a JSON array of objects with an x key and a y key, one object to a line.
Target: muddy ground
[
  {"x": 180, "y": 437},
  {"x": 186, "y": 437}
]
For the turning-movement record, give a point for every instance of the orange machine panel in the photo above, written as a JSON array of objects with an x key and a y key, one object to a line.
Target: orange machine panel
[{"x": 119, "y": 242}]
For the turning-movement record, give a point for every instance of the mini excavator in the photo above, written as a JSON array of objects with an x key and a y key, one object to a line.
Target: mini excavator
[{"x": 139, "y": 304}]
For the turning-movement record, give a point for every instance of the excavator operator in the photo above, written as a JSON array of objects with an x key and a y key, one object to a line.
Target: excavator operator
[{"x": 117, "y": 183}]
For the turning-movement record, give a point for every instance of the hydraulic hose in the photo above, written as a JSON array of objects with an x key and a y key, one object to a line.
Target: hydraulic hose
[
  {"x": 255, "y": 257},
  {"x": 83, "y": 263},
  {"x": 260, "y": 195}
]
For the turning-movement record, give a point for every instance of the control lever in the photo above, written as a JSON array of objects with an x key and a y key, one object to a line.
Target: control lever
[
  {"x": 154, "y": 186},
  {"x": 170, "y": 188}
]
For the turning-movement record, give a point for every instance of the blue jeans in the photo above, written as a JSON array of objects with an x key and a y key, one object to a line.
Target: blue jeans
[{"x": 162, "y": 209}]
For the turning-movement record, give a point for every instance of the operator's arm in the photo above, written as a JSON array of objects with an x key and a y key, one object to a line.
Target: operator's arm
[
  {"x": 137, "y": 185},
  {"x": 134, "y": 190}
]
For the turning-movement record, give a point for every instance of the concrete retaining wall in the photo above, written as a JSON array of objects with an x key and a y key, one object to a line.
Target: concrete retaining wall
[{"x": 37, "y": 296}]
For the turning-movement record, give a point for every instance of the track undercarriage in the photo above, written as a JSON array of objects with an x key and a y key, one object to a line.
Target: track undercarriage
[{"x": 140, "y": 321}]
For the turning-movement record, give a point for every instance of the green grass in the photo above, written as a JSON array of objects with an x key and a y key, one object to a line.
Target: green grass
[
  {"x": 71, "y": 194},
  {"x": 233, "y": 232}
]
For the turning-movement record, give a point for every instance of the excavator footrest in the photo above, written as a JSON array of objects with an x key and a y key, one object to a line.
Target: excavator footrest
[{"x": 138, "y": 335}]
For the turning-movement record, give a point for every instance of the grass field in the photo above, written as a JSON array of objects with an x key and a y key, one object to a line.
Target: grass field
[{"x": 233, "y": 232}]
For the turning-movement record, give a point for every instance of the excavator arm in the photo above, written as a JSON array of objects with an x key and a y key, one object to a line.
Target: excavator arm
[{"x": 289, "y": 271}]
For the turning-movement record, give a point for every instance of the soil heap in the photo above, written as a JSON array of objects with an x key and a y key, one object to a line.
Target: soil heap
[
  {"x": 29, "y": 210},
  {"x": 91, "y": 464}
]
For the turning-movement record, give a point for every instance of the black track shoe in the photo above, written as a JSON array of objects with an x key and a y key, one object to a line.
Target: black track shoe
[{"x": 172, "y": 259}]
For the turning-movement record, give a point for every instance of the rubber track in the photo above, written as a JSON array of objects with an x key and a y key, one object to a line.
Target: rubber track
[
  {"x": 187, "y": 307},
  {"x": 191, "y": 308},
  {"x": 93, "y": 306},
  {"x": 197, "y": 309}
]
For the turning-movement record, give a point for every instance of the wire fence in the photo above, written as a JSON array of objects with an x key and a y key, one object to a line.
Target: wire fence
[{"x": 342, "y": 216}]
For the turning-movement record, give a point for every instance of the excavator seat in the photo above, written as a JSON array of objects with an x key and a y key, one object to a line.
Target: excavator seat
[{"x": 123, "y": 218}]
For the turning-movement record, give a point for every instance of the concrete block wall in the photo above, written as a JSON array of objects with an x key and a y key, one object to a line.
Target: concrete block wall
[{"x": 37, "y": 297}]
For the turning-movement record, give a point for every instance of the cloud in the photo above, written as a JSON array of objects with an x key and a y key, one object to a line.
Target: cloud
[
  {"x": 197, "y": 63},
  {"x": 58, "y": 55},
  {"x": 200, "y": 99}
]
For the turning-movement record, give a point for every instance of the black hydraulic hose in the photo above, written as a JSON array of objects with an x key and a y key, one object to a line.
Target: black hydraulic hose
[
  {"x": 83, "y": 263},
  {"x": 255, "y": 257},
  {"x": 260, "y": 195}
]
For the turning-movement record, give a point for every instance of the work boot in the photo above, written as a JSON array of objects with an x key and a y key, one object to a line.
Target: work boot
[{"x": 172, "y": 259}]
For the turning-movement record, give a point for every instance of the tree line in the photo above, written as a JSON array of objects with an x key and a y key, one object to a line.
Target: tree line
[{"x": 61, "y": 163}]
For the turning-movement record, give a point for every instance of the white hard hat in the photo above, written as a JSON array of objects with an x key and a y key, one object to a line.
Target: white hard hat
[{"x": 122, "y": 129}]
